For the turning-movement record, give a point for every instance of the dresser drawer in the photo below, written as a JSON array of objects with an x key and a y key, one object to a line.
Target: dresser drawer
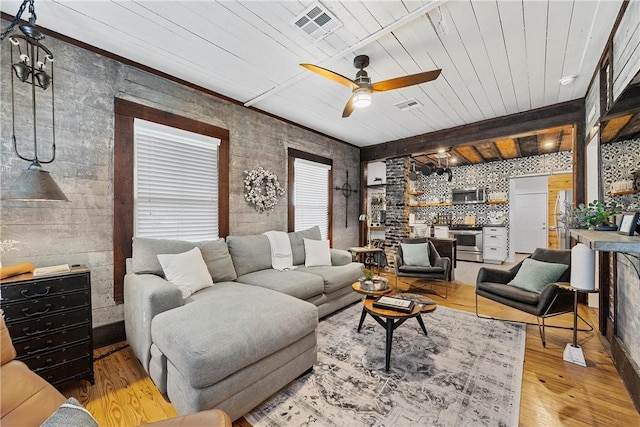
[
  {"x": 47, "y": 360},
  {"x": 39, "y": 288},
  {"x": 35, "y": 308},
  {"x": 31, "y": 327},
  {"x": 82, "y": 367},
  {"x": 49, "y": 342}
]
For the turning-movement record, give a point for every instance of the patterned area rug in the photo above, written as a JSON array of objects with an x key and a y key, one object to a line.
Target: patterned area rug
[{"x": 466, "y": 372}]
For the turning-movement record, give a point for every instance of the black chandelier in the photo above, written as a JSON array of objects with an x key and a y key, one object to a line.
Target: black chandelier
[{"x": 32, "y": 63}]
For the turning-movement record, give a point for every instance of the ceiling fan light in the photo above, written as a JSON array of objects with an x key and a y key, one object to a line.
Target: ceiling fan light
[{"x": 361, "y": 98}]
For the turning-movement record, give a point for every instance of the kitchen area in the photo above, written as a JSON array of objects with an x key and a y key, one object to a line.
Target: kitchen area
[{"x": 471, "y": 205}]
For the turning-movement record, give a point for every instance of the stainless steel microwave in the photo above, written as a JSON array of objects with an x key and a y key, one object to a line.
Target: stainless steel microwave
[{"x": 460, "y": 196}]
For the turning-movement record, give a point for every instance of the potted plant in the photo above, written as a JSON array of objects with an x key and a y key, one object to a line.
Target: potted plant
[{"x": 597, "y": 215}]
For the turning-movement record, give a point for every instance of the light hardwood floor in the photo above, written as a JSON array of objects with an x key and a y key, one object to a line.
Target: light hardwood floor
[{"x": 554, "y": 392}]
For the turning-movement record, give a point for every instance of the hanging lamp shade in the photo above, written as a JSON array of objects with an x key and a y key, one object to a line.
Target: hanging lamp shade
[{"x": 35, "y": 184}]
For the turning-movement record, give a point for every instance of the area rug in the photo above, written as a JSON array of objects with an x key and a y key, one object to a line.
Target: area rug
[{"x": 466, "y": 372}]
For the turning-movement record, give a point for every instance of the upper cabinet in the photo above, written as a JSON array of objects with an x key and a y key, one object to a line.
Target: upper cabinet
[
  {"x": 626, "y": 49},
  {"x": 376, "y": 173}
]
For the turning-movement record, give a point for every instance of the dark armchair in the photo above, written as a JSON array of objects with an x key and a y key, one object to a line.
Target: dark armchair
[
  {"x": 440, "y": 266},
  {"x": 552, "y": 301}
]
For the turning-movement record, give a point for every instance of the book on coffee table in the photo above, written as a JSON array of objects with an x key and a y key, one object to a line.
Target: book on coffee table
[{"x": 397, "y": 304}]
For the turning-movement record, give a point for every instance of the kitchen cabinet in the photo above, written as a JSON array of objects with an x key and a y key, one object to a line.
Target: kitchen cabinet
[{"x": 494, "y": 244}]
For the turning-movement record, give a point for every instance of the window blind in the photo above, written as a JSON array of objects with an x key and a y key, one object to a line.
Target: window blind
[
  {"x": 175, "y": 183},
  {"x": 311, "y": 195}
]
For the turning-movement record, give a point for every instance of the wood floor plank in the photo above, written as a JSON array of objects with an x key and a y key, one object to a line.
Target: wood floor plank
[{"x": 554, "y": 392}]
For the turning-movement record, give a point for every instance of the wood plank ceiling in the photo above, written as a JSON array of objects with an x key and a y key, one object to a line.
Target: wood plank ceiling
[{"x": 498, "y": 57}]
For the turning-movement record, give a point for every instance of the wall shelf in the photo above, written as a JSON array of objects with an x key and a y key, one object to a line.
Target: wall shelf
[
  {"x": 416, "y": 193},
  {"x": 623, "y": 192},
  {"x": 497, "y": 202},
  {"x": 608, "y": 241}
]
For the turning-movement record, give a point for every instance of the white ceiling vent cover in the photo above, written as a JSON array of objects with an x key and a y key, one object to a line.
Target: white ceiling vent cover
[
  {"x": 409, "y": 104},
  {"x": 317, "y": 22}
]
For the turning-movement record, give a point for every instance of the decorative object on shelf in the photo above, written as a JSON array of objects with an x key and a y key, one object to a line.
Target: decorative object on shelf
[
  {"x": 30, "y": 67},
  {"x": 346, "y": 192},
  {"x": 262, "y": 189},
  {"x": 629, "y": 223},
  {"x": 371, "y": 282},
  {"x": 365, "y": 218},
  {"x": 595, "y": 216}
]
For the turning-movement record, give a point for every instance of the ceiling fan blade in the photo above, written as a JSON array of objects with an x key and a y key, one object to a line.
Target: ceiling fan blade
[
  {"x": 348, "y": 109},
  {"x": 338, "y": 78},
  {"x": 413, "y": 79}
]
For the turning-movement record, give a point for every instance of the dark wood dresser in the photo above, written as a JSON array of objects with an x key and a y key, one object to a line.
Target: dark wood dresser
[{"x": 49, "y": 319}]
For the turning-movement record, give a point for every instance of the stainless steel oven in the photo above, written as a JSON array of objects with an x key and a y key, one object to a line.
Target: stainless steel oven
[{"x": 468, "y": 241}]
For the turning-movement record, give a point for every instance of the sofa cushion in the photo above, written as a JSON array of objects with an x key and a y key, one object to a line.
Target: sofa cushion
[
  {"x": 216, "y": 255},
  {"x": 510, "y": 292},
  {"x": 420, "y": 270},
  {"x": 214, "y": 252},
  {"x": 293, "y": 282},
  {"x": 187, "y": 271},
  {"x": 249, "y": 253},
  {"x": 249, "y": 323},
  {"x": 336, "y": 277},
  {"x": 534, "y": 275},
  {"x": 297, "y": 242},
  {"x": 145, "y": 253}
]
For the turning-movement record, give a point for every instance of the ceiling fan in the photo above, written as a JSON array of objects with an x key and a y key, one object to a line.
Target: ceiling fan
[{"x": 363, "y": 88}]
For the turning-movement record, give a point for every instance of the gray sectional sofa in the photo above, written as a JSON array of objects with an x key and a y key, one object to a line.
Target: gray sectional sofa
[{"x": 234, "y": 344}]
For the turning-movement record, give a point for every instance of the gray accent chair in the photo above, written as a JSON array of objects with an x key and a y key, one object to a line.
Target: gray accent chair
[
  {"x": 552, "y": 301},
  {"x": 440, "y": 266}
]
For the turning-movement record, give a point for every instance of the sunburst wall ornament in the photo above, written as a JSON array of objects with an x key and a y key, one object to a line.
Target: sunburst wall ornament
[{"x": 262, "y": 189}]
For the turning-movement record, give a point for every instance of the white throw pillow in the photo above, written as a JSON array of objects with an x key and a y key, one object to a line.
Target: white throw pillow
[
  {"x": 317, "y": 253},
  {"x": 187, "y": 271}
]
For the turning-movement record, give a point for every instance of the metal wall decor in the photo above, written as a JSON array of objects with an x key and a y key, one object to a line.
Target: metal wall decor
[
  {"x": 32, "y": 64},
  {"x": 346, "y": 192}
]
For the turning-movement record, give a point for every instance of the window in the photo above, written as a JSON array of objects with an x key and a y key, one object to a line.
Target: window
[
  {"x": 310, "y": 192},
  {"x": 175, "y": 183}
]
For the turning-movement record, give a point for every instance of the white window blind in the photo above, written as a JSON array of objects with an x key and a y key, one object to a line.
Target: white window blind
[
  {"x": 311, "y": 195},
  {"x": 175, "y": 184}
]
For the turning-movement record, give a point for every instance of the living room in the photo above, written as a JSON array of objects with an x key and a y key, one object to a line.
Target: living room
[{"x": 97, "y": 86}]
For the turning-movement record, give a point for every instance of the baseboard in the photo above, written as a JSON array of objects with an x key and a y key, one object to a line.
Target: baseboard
[
  {"x": 108, "y": 334},
  {"x": 628, "y": 370}
]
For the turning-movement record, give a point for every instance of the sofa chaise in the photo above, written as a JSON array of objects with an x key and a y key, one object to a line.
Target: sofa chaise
[{"x": 232, "y": 345}]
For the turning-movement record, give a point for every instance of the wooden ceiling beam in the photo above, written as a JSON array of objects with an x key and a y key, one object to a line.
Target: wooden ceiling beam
[
  {"x": 528, "y": 145},
  {"x": 470, "y": 154},
  {"x": 566, "y": 113},
  {"x": 507, "y": 148},
  {"x": 613, "y": 127}
]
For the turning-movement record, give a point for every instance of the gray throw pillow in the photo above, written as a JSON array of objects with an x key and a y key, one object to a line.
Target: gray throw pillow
[
  {"x": 70, "y": 414},
  {"x": 416, "y": 254},
  {"x": 534, "y": 275},
  {"x": 216, "y": 255},
  {"x": 145, "y": 253}
]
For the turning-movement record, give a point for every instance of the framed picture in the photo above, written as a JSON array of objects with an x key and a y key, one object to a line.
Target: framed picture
[{"x": 628, "y": 223}]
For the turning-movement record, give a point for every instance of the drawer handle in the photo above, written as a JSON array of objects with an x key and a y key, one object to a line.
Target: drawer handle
[
  {"x": 43, "y": 367},
  {"x": 27, "y": 333},
  {"x": 26, "y": 311},
  {"x": 39, "y": 350},
  {"x": 25, "y": 293}
]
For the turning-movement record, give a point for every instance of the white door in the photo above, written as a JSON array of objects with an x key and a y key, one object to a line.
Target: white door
[{"x": 530, "y": 222}]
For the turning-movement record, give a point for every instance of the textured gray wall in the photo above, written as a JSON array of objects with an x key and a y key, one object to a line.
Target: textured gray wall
[{"x": 81, "y": 231}]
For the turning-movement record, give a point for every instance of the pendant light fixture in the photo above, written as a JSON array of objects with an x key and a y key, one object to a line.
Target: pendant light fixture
[{"x": 32, "y": 64}]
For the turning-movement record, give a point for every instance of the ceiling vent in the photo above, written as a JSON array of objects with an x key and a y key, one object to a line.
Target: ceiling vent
[
  {"x": 317, "y": 22},
  {"x": 409, "y": 104}
]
